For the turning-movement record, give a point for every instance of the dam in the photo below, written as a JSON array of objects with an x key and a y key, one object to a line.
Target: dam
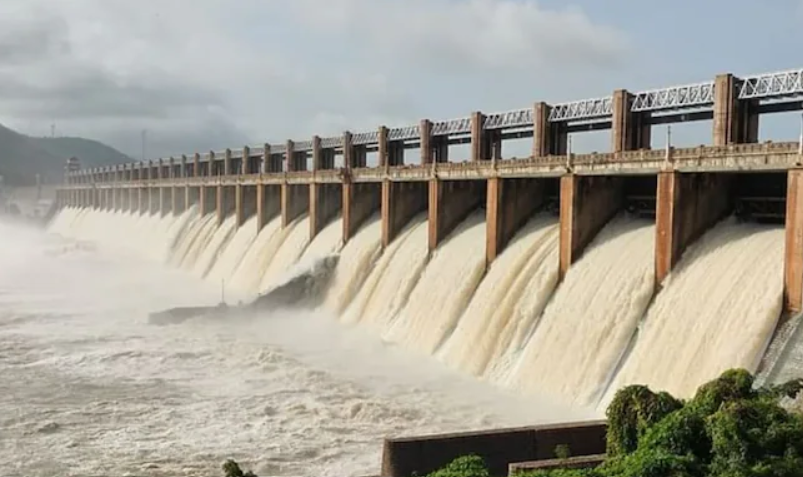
[{"x": 568, "y": 275}]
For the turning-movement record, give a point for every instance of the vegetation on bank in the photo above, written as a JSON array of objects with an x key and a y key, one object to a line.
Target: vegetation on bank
[
  {"x": 728, "y": 429},
  {"x": 23, "y": 157}
]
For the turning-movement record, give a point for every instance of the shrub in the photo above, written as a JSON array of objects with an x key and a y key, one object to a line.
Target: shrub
[
  {"x": 633, "y": 410},
  {"x": 650, "y": 463},
  {"x": 732, "y": 384},
  {"x": 729, "y": 429},
  {"x": 466, "y": 466},
  {"x": 558, "y": 473},
  {"x": 756, "y": 437},
  {"x": 562, "y": 451},
  {"x": 682, "y": 432}
]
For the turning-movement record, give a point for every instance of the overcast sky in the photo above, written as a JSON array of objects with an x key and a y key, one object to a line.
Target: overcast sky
[{"x": 208, "y": 74}]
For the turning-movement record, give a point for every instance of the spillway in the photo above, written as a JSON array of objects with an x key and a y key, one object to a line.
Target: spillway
[
  {"x": 513, "y": 325},
  {"x": 356, "y": 261},
  {"x": 326, "y": 242},
  {"x": 442, "y": 292},
  {"x": 287, "y": 253},
  {"x": 487, "y": 324},
  {"x": 392, "y": 279},
  {"x": 585, "y": 329},
  {"x": 717, "y": 310},
  {"x": 74, "y": 331},
  {"x": 232, "y": 255},
  {"x": 214, "y": 246},
  {"x": 196, "y": 241},
  {"x": 248, "y": 275}
]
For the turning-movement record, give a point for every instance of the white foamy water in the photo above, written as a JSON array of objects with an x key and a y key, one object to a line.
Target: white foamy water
[
  {"x": 214, "y": 247},
  {"x": 449, "y": 279},
  {"x": 717, "y": 310},
  {"x": 87, "y": 387},
  {"x": 148, "y": 235},
  {"x": 390, "y": 282},
  {"x": 248, "y": 275},
  {"x": 186, "y": 238},
  {"x": 197, "y": 241},
  {"x": 356, "y": 261},
  {"x": 234, "y": 251},
  {"x": 326, "y": 242},
  {"x": 299, "y": 394},
  {"x": 287, "y": 253},
  {"x": 584, "y": 331},
  {"x": 530, "y": 257}
]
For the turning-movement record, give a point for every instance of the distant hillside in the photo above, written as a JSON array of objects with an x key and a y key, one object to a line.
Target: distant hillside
[
  {"x": 91, "y": 153},
  {"x": 22, "y": 157}
]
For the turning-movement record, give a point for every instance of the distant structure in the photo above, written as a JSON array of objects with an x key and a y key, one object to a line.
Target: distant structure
[{"x": 73, "y": 165}]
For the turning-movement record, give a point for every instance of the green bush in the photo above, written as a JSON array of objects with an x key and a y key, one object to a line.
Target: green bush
[
  {"x": 633, "y": 410},
  {"x": 682, "y": 432},
  {"x": 731, "y": 385},
  {"x": 728, "y": 429},
  {"x": 650, "y": 463},
  {"x": 562, "y": 451},
  {"x": 756, "y": 437},
  {"x": 466, "y": 466},
  {"x": 558, "y": 473}
]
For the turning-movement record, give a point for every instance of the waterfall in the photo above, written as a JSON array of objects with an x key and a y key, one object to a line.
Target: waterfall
[
  {"x": 512, "y": 325},
  {"x": 717, "y": 310}
]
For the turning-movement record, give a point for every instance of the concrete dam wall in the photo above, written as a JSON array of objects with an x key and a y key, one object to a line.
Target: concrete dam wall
[
  {"x": 569, "y": 287},
  {"x": 556, "y": 274}
]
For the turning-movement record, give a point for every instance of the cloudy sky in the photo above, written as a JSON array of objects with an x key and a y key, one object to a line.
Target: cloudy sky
[{"x": 208, "y": 74}]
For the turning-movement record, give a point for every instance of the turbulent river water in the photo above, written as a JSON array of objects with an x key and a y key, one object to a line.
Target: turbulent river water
[{"x": 89, "y": 388}]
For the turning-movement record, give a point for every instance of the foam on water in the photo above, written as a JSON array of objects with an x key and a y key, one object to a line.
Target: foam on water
[
  {"x": 356, "y": 261},
  {"x": 326, "y": 242},
  {"x": 288, "y": 252},
  {"x": 717, "y": 310},
  {"x": 493, "y": 308},
  {"x": 389, "y": 284},
  {"x": 584, "y": 331},
  {"x": 234, "y": 251},
  {"x": 248, "y": 275},
  {"x": 442, "y": 292},
  {"x": 107, "y": 394},
  {"x": 215, "y": 246},
  {"x": 200, "y": 238},
  {"x": 324, "y": 395}
]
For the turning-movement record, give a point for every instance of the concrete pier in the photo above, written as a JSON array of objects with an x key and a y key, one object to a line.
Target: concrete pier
[
  {"x": 226, "y": 202},
  {"x": 630, "y": 130},
  {"x": 687, "y": 206},
  {"x": 510, "y": 203},
  {"x": 735, "y": 120},
  {"x": 325, "y": 203},
  {"x": 401, "y": 201},
  {"x": 268, "y": 204},
  {"x": 450, "y": 202},
  {"x": 793, "y": 261},
  {"x": 587, "y": 203},
  {"x": 549, "y": 139},
  {"x": 360, "y": 201},
  {"x": 295, "y": 202}
]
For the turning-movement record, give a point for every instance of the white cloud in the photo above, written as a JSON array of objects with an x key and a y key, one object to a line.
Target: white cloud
[
  {"x": 469, "y": 34},
  {"x": 219, "y": 72}
]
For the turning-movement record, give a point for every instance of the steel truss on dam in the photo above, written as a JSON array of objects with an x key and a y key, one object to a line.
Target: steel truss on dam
[{"x": 686, "y": 191}]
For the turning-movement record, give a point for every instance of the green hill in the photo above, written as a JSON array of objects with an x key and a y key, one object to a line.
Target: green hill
[
  {"x": 22, "y": 157},
  {"x": 91, "y": 153}
]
